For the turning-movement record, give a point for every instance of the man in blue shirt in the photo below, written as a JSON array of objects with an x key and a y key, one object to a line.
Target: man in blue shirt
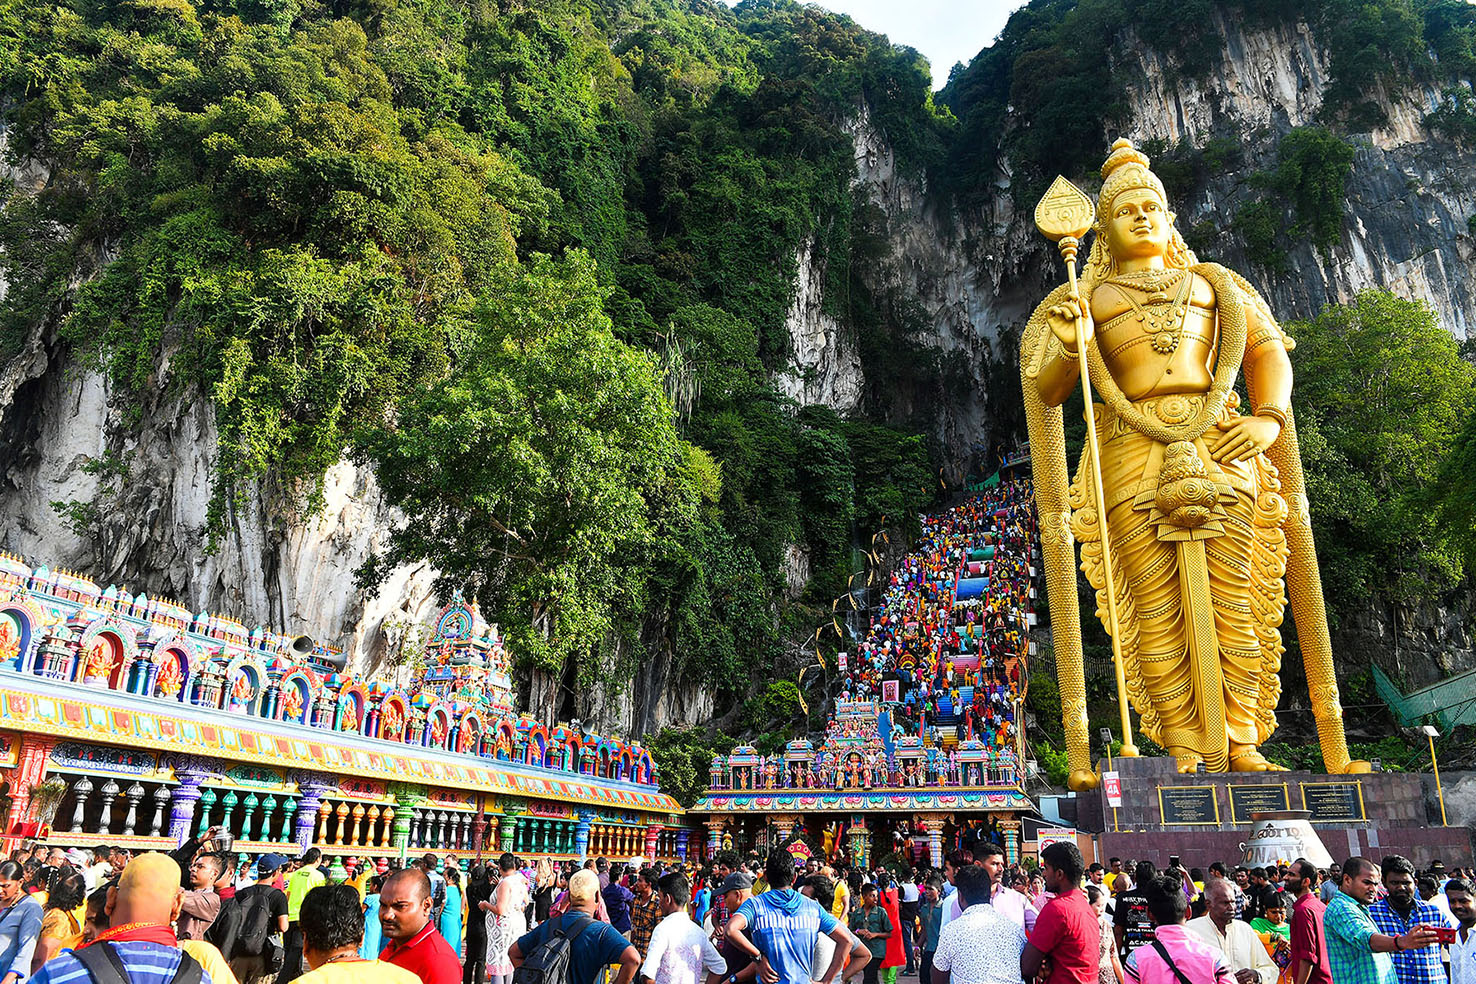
[
  {"x": 147, "y": 901},
  {"x": 1400, "y": 911},
  {"x": 779, "y": 928},
  {"x": 592, "y": 948}
]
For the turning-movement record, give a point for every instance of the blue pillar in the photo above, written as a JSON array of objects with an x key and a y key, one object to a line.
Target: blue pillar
[
  {"x": 581, "y": 835},
  {"x": 682, "y": 843}
]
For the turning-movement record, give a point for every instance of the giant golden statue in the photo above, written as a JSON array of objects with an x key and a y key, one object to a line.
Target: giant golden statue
[{"x": 1206, "y": 510}]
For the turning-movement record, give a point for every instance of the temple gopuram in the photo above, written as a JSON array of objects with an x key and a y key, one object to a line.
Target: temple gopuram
[
  {"x": 922, "y": 751},
  {"x": 131, "y": 721}
]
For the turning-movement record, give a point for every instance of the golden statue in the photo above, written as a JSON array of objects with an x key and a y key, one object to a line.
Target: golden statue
[{"x": 1205, "y": 504}]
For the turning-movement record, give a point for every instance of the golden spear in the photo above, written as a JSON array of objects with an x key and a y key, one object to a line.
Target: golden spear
[{"x": 1063, "y": 216}]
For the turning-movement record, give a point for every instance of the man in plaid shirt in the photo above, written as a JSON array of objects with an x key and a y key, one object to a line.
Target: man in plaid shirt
[
  {"x": 645, "y": 911},
  {"x": 1402, "y": 910},
  {"x": 1357, "y": 951}
]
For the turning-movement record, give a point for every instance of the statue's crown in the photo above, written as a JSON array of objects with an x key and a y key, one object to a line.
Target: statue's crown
[{"x": 1126, "y": 169}]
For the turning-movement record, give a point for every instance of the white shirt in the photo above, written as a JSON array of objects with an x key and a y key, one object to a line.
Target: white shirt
[
  {"x": 980, "y": 947},
  {"x": 680, "y": 951},
  {"x": 1463, "y": 959},
  {"x": 1241, "y": 946}
]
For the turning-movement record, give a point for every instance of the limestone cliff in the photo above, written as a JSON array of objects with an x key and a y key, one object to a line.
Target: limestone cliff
[{"x": 968, "y": 276}]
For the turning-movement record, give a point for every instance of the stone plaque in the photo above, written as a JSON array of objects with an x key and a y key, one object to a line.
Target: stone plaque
[
  {"x": 1332, "y": 802},
  {"x": 1263, "y": 798},
  {"x": 1182, "y": 805}
]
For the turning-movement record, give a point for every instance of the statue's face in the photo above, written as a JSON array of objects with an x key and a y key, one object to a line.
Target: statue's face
[{"x": 1140, "y": 225}]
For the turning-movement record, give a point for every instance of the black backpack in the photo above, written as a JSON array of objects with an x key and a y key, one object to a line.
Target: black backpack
[
  {"x": 105, "y": 966},
  {"x": 245, "y": 929},
  {"x": 549, "y": 961}
]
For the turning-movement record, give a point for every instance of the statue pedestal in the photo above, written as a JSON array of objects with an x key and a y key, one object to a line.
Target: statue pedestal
[{"x": 1207, "y": 817}]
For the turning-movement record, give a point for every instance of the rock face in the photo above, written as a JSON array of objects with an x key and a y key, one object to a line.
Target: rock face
[{"x": 971, "y": 280}]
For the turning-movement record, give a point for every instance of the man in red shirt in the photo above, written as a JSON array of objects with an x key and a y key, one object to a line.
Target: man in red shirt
[
  {"x": 414, "y": 943},
  {"x": 1309, "y": 963},
  {"x": 1067, "y": 929}
]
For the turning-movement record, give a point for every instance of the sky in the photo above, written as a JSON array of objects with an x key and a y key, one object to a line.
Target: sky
[{"x": 945, "y": 31}]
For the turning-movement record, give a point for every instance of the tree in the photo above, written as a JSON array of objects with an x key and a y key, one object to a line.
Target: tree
[
  {"x": 545, "y": 472},
  {"x": 1381, "y": 396}
]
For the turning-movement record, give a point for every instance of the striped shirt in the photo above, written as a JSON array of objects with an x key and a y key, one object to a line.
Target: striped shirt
[{"x": 146, "y": 963}]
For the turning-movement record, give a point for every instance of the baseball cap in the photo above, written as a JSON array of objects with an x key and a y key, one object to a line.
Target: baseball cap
[
  {"x": 734, "y": 882},
  {"x": 268, "y": 863}
]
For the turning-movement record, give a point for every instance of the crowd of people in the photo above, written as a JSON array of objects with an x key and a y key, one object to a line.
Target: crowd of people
[{"x": 188, "y": 918}]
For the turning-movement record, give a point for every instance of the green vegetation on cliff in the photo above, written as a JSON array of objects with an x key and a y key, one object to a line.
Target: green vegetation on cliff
[{"x": 532, "y": 261}]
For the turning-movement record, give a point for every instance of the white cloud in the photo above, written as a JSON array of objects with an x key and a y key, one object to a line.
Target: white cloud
[{"x": 945, "y": 31}]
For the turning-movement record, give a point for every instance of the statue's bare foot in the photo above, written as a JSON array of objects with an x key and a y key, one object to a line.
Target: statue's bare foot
[
  {"x": 1248, "y": 759},
  {"x": 1188, "y": 760}
]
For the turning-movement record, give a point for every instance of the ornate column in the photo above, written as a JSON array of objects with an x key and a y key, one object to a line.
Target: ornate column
[
  {"x": 438, "y": 839},
  {"x": 29, "y": 772},
  {"x": 356, "y": 836},
  {"x": 653, "y": 839},
  {"x": 509, "y": 832},
  {"x": 310, "y": 805},
  {"x": 81, "y": 789},
  {"x": 479, "y": 832},
  {"x": 134, "y": 793},
  {"x": 268, "y": 807},
  {"x": 249, "y": 807},
  {"x": 714, "y": 835},
  {"x": 860, "y": 838},
  {"x": 289, "y": 825},
  {"x": 183, "y": 800},
  {"x": 581, "y": 836},
  {"x": 161, "y": 800},
  {"x": 932, "y": 823},
  {"x": 230, "y": 800},
  {"x": 404, "y": 819},
  {"x": 1011, "y": 831},
  {"x": 681, "y": 843},
  {"x": 784, "y": 824},
  {"x": 340, "y": 816},
  {"x": 109, "y": 792},
  {"x": 207, "y": 803},
  {"x": 325, "y": 811}
]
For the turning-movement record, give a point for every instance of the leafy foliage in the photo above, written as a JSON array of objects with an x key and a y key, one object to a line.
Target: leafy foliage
[
  {"x": 1382, "y": 397},
  {"x": 682, "y": 757},
  {"x": 532, "y": 261}
]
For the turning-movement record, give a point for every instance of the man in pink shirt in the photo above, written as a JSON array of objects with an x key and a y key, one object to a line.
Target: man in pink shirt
[
  {"x": 1175, "y": 955},
  {"x": 1006, "y": 901}
]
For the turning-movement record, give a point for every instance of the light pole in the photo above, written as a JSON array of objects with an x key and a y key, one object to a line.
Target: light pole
[
  {"x": 1431, "y": 733},
  {"x": 1106, "y": 735}
]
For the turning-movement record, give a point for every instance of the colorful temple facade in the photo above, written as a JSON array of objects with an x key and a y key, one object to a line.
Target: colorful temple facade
[
  {"x": 129, "y": 720},
  {"x": 922, "y": 751}
]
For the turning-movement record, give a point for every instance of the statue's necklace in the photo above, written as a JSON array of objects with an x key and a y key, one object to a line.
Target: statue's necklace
[{"x": 1162, "y": 317}]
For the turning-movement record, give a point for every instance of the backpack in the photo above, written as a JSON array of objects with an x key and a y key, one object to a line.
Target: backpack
[
  {"x": 245, "y": 930},
  {"x": 104, "y": 966},
  {"x": 549, "y": 961}
]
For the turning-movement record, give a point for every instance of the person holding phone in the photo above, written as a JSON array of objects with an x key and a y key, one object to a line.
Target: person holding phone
[
  {"x": 1357, "y": 949},
  {"x": 1400, "y": 911}
]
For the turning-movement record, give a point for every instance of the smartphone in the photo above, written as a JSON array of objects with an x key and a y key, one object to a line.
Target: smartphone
[
  {"x": 1173, "y": 860},
  {"x": 1445, "y": 934}
]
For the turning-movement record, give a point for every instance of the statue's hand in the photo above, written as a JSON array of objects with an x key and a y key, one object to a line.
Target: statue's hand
[
  {"x": 1063, "y": 319},
  {"x": 1244, "y": 438}
]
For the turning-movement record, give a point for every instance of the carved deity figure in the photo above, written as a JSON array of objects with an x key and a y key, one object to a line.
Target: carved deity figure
[
  {"x": 9, "y": 640},
  {"x": 170, "y": 678},
  {"x": 100, "y": 660},
  {"x": 292, "y": 704},
  {"x": 391, "y": 723},
  {"x": 349, "y": 719},
  {"x": 242, "y": 691},
  {"x": 1203, "y": 497}
]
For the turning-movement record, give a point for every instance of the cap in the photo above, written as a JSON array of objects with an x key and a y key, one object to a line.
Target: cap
[
  {"x": 734, "y": 882},
  {"x": 268, "y": 863},
  {"x": 77, "y": 856}
]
